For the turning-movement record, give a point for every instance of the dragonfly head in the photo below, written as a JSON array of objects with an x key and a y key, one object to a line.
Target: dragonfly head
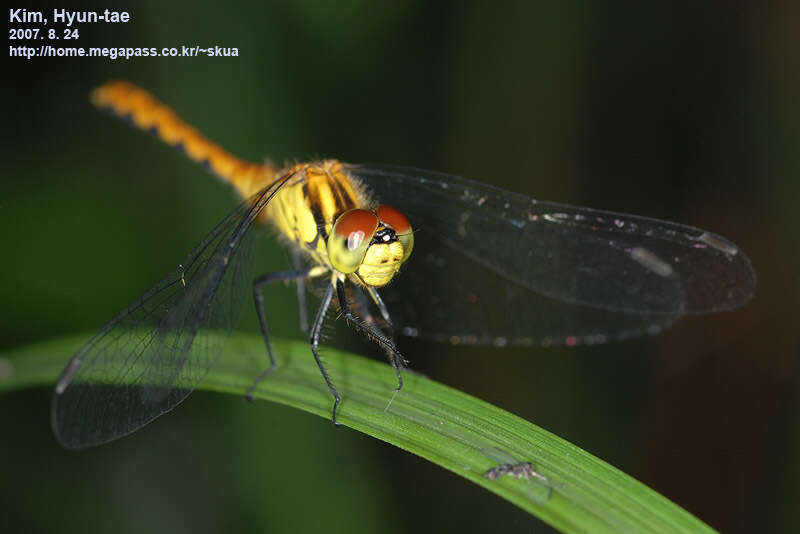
[{"x": 370, "y": 244}]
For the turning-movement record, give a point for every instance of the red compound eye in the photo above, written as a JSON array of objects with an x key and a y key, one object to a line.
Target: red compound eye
[
  {"x": 356, "y": 225},
  {"x": 350, "y": 239},
  {"x": 394, "y": 218}
]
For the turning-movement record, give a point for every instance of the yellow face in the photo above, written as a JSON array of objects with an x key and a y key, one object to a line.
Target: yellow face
[{"x": 370, "y": 245}]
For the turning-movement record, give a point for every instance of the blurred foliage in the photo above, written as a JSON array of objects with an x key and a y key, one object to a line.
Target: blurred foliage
[{"x": 686, "y": 113}]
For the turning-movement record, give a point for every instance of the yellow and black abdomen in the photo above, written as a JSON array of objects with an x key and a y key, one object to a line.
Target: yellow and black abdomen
[{"x": 143, "y": 111}]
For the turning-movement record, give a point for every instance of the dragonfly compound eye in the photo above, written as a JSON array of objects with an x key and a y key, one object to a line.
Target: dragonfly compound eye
[
  {"x": 350, "y": 238},
  {"x": 395, "y": 219}
]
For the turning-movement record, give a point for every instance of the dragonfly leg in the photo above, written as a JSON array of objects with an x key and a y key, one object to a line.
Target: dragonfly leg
[
  {"x": 316, "y": 331},
  {"x": 363, "y": 307},
  {"x": 370, "y": 321},
  {"x": 376, "y": 298},
  {"x": 258, "y": 298},
  {"x": 398, "y": 362},
  {"x": 373, "y": 333},
  {"x": 302, "y": 304}
]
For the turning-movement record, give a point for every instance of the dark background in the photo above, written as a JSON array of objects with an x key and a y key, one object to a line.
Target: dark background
[{"x": 683, "y": 113}]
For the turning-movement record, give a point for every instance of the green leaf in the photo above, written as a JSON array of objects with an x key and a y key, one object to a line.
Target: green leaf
[{"x": 571, "y": 490}]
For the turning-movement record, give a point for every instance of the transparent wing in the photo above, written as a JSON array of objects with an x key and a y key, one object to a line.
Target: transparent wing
[
  {"x": 154, "y": 353},
  {"x": 495, "y": 267}
]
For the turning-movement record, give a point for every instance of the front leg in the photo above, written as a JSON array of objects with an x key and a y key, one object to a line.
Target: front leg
[
  {"x": 376, "y": 298},
  {"x": 373, "y": 333}
]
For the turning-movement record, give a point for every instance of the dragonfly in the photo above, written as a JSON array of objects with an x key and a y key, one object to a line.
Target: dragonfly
[{"x": 400, "y": 251}]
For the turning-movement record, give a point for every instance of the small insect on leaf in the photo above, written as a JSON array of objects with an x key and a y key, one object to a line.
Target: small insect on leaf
[{"x": 539, "y": 489}]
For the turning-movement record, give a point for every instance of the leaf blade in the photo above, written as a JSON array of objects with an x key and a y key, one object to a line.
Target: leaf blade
[{"x": 448, "y": 427}]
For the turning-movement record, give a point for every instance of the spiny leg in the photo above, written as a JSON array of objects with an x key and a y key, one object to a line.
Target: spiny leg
[
  {"x": 369, "y": 320},
  {"x": 371, "y": 332},
  {"x": 258, "y": 298},
  {"x": 403, "y": 363},
  {"x": 363, "y": 307},
  {"x": 398, "y": 362},
  {"x": 376, "y": 298},
  {"x": 316, "y": 331}
]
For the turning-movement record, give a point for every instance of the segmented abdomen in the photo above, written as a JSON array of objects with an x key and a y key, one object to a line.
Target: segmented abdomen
[{"x": 144, "y": 111}]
